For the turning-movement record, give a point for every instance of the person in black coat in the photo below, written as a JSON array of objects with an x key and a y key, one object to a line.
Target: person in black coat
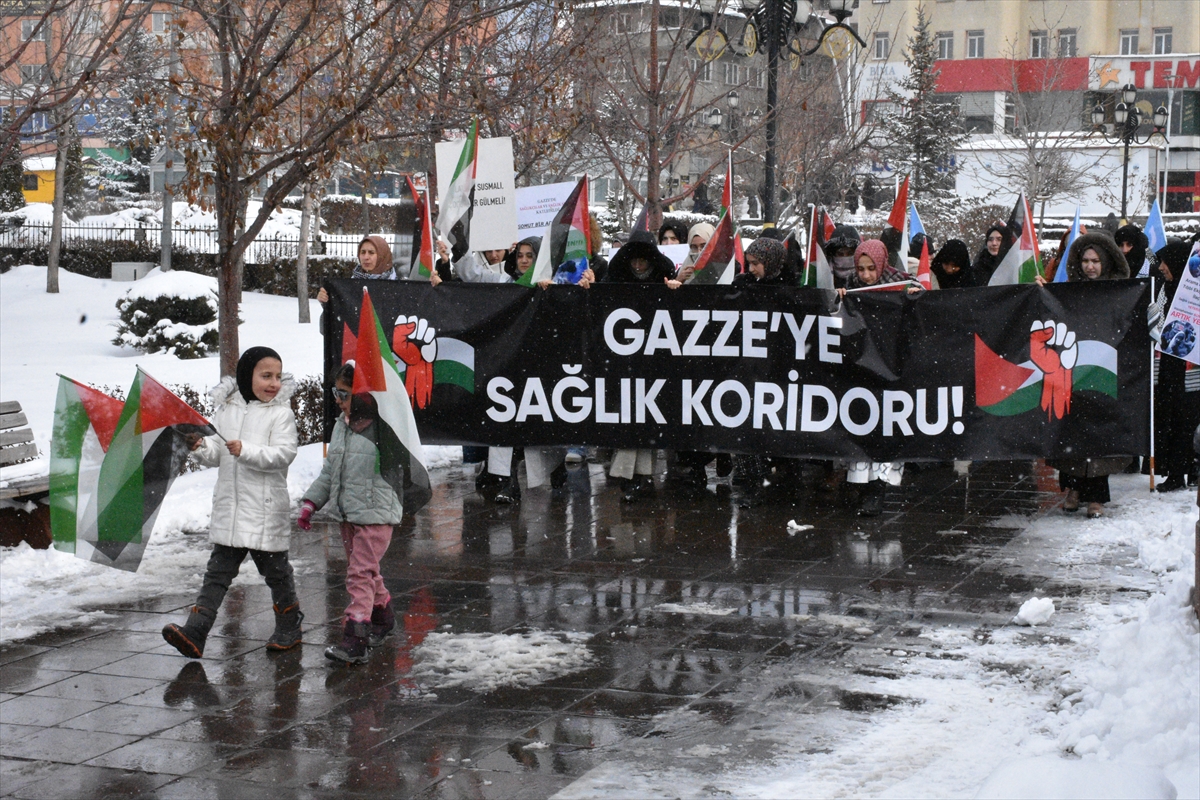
[
  {"x": 839, "y": 252},
  {"x": 1176, "y": 410},
  {"x": 639, "y": 261},
  {"x": 672, "y": 232},
  {"x": 952, "y": 265},
  {"x": 996, "y": 244},
  {"x": 1134, "y": 244}
]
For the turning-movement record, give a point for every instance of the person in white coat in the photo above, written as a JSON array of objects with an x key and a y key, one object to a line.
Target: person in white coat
[{"x": 251, "y": 507}]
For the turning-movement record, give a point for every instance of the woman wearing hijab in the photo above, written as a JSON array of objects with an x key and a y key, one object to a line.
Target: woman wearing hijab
[
  {"x": 1093, "y": 257},
  {"x": 951, "y": 267},
  {"x": 994, "y": 247},
  {"x": 766, "y": 262},
  {"x": 672, "y": 232},
  {"x": 1177, "y": 398},
  {"x": 1134, "y": 245},
  {"x": 839, "y": 252},
  {"x": 697, "y": 237},
  {"x": 638, "y": 261}
]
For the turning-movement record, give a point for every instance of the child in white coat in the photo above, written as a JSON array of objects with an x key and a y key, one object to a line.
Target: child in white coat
[{"x": 251, "y": 506}]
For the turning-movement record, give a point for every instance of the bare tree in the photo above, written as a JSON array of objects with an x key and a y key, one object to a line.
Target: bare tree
[{"x": 242, "y": 90}]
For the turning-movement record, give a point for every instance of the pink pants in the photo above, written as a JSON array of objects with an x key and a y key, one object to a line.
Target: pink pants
[{"x": 365, "y": 546}]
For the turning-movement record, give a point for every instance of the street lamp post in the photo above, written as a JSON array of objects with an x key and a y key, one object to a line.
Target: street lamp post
[
  {"x": 777, "y": 24},
  {"x": 1128, "y": 119}
]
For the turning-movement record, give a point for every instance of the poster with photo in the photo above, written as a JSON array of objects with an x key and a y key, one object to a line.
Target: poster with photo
[{"x": 1183, "y": 319}]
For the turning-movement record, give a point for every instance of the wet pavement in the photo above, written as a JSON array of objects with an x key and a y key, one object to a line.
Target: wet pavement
[{"x": 685, "y": 599}]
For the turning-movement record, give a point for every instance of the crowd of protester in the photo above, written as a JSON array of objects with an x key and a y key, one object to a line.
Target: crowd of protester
[{"x": 775, "y": 259}]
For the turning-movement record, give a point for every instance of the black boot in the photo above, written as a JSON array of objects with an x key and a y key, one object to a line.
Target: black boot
[
  {"x": 189, "y": 640},
  {"x": 558, "y": 478},
  {"x": 488, "y": 484},
  {"x": 287, "y": 628},
  {"x": 1171, "y": 484},
  {"x": 383, "y": 622},
  {"x": 637, "y": 487},
  {"x": 871, "y": 504},
  {"x": 511, "y": 493},
  {"x": 353, "y": 649}
]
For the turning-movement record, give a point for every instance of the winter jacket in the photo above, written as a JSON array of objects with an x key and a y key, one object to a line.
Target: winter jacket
[
  {"x": 351, "y": 480},
  {"x": 640, "y": 245},
  {"x": 251, "y": 507},
  {"x": 954, "y": 251},
  {"x": 985, "y": 263},
  {"x": 1113, "y": 260}
]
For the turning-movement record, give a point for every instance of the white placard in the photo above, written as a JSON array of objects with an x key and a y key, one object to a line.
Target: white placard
[
  {"x": 1181, "y": 327},
  {"x": 537, "y": 205},
  {"x": 494, "y": 217}
]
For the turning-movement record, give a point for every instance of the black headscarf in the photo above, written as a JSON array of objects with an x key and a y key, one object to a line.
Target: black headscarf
[
  {"x": 641, "y": 244},
  {"x": 914, "y": 246},
  {"x": 510, "y": 260},
  {"x": 891, "y": 240},
  {"x": 245, "y": 369},
  {"x": 1134, "y": 236},
  {"x": 1175, "y": 255},
  {"x": 985, "y": 263},
  {"x": 680, "y": 229},
  {"x": 954, "y": 251}
]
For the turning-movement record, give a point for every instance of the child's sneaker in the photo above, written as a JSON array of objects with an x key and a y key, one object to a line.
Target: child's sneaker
[{"x": 353, "y": 649}]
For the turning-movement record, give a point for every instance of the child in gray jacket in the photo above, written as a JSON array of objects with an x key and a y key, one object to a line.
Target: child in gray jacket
[{"x": 368, "y": 506}]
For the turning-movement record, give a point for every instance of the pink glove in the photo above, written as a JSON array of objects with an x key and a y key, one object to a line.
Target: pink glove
[{"x": 307, "y": 509}]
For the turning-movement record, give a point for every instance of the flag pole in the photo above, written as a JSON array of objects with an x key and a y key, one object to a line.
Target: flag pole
[{"x": 1152, "y": 395}]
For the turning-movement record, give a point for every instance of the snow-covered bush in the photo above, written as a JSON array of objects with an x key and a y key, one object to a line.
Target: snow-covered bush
[{"x": 173, "y": 311}]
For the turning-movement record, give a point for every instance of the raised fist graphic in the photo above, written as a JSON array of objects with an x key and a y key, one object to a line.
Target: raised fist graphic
[
  {"x": 1053, "y": 350},
  {"x": 415, "y": 341}
]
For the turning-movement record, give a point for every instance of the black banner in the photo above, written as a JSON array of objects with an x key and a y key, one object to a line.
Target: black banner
[{"x": 997, "y": 372}]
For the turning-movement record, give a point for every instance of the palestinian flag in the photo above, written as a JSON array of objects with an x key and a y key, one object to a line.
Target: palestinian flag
[
  {"x": 720, "y": 260},
  {"x": 817, "y": 274},
  {"x": 727, "y": 190},
  {"x": 568, "y": 239},
  {"x": 401, "y": 458},
  {"x": 642, "y": 223},
  {"x": 1023, "y": 260},
  {"x": 898, "y": 219},
  {"x": 454, "y": 218},
  {"x": 924, "y": 277},
  {"x": 422, "y": 243},
  {"x": 84, "y": 423},
  {"x": 146, "y": 453},
  {"x": 1005, "y": 389}
]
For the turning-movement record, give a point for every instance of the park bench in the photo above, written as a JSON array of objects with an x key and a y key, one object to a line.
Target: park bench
[{"x": 22, "y": 517}]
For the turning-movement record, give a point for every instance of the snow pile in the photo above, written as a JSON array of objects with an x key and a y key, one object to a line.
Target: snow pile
[
  {"x": 172, "y": 311},
  {"x": 1035, "y": 611},
  {"x": 176, "y": 283},
  {"x": 484, "y": 662},
  {"x": 1138, "y": 700},
  {"x": 32, "y": 214},
  {"x": 1061, "y": 779},
  {"x": 125, "y": 218}
]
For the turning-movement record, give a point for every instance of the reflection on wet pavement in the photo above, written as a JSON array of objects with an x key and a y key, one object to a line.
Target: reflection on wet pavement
[{"x": 685, "y": 598}]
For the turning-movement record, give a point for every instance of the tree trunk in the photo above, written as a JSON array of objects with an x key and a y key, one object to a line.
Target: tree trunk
[
  {"x": 366, "y": 206},
  {"x": 60, "y": 195},
  {"x": 229, "y": 209},
  {"x": 302, "y": 256}
]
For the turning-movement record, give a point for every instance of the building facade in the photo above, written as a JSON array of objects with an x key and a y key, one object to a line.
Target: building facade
[{"x": 1027, "y": 75}]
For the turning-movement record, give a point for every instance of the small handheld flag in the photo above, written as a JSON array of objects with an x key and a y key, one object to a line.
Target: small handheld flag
[
  {"x": 1023, "y": 260},
  {"x": 454, "y": 218},
  {"x": 924, "y": 276},
  {"x": 422, "y": 245},
  {"x": 915, "y": 225},
  {"x": 569, "y": 237}
]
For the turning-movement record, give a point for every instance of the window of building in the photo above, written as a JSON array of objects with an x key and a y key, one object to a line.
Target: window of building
[
  {"x": 1162, "y": 41},
  {"x": 945, "y": 45},
  {"x": 623, "y": 23},
  {"x": 760, "y": 78},
  {"x": 1039, "y": 44},
  {"x": 733, "y": 73},
  {"x": 29, "y": 182},
  {"x": 701, "y": 69},
  {"x": 621, "y": 72},
  {"x": 974, "y": 44},
  {"x": 31, "y": 31},
  {"x": 883, "y": 46},
  {"x": 1066, "y": 42},
  {"x": 978, "y": 111},
  {"x": 33, "y": 73},
  {"x": 662, "y": 71},
  {"x": 1129, "y": 42},
  {"x": 159, "y": 22}
]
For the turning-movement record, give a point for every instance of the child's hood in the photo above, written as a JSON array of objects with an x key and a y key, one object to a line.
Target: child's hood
[{"x": 226, "y": 392}]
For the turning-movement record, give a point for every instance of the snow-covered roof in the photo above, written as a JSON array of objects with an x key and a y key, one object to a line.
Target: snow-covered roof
[{"x": 39, "y": 164}]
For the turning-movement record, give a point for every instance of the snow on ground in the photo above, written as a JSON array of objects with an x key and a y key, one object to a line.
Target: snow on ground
[
  {"x": 1111, "y": 678},
  {"x": 483, "y": 662},
  {"x": 70, "y": 333}
]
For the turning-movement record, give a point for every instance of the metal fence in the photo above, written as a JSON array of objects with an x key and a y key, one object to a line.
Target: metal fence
[{"x": 194, "y": 240}]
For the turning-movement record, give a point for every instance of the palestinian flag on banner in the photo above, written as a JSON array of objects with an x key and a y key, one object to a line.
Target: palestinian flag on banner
[
  {"x": 454, "y": 218},
  {"x": 146, "y": 453},
  {"x": 1023, "y": 260},
  {"x": 422, "y": 243},
  {"x": 84, "y": 423},
  {"x": 568, "y": 239},
  {"x": 1004, "y": 389},
  {"x": 817, "y": 274},
  {"x": 720, "y": 260},
  {"x": 924, "y": 276},
  {"x": 379, "y": 386}
]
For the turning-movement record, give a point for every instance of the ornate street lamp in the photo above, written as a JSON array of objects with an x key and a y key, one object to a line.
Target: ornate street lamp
[
  {"x": 777, "y": 24},
  {"x": 1128, "y": 119}
]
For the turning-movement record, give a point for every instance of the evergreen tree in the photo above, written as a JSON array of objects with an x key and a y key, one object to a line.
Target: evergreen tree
[
  {"x": 133, "y": 119},
  {"x": 925, "y": 130},
  {"x": 74, "y": 180},
  {"x": 12, "y": 170}
]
